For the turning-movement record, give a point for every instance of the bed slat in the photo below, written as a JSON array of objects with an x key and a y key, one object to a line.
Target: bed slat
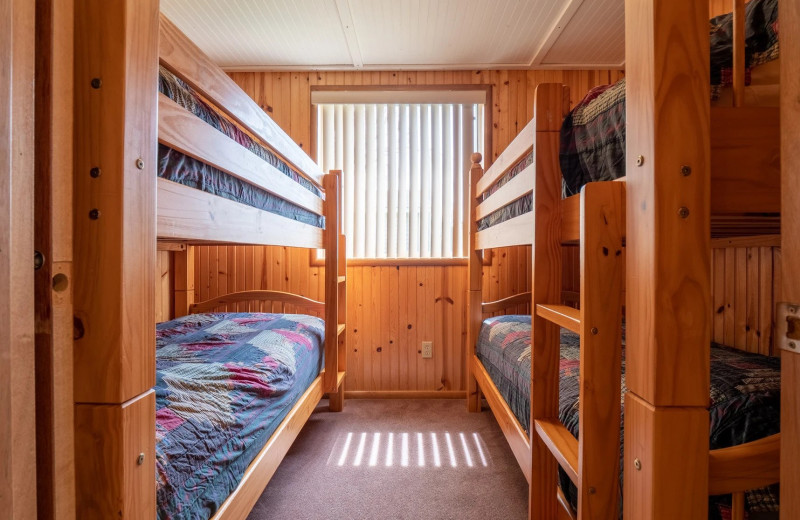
[
  {"x": 512, "y": 232},
  {"x": 183, "y": 131},
  {"x": 185, "y": 59},
  {"x": 188, "y": 214},
  {"x": 520, "y": 146},
  {"x": 514, "y": 189}
]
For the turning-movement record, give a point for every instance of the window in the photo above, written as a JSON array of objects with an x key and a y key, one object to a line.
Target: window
[{"x": 404, "y": 157}]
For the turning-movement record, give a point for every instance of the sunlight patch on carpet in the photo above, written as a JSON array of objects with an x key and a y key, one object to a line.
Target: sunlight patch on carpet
[{"x": 420, "y": 450}]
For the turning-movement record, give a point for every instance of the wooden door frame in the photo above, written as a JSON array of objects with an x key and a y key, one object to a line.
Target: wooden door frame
[{"x": 17, "y": 420}]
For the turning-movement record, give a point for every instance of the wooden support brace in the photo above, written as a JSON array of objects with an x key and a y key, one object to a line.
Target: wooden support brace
[
  {"x": 475, "y": 267},
  {"x": 183, "y": 276}
]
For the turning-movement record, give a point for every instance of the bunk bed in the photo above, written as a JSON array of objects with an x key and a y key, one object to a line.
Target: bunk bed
[
  {"x": 522, "y": 191},
  {"x": 222, "y": 395}
]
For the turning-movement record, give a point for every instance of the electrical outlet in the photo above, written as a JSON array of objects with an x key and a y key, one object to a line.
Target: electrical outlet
[{"x": 427, "y": 349}]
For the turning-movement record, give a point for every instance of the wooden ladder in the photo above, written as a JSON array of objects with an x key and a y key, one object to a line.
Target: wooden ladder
[{"x": 592, "y": 460}]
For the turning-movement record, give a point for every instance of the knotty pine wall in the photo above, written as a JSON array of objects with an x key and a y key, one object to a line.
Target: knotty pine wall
[{"x": 391, "y": 309}]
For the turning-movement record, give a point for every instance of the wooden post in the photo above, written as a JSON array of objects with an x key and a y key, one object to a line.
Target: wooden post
[
  {"x": 474, "y": 315},
  {"x": 17, "y": 419},
  {"x": 738, "y": 53},
  {"x": 549, "y": 104},
  {"x": 183, "y": 276},
  {"x": 602, "y": 260},
  {"x": 332, "y": 184},
  {"x": 790, "y": 254},
  {"x": 116, "y": 73},
  {"x": 55, "y": 464},
  {"x": 668, "y": 260}
]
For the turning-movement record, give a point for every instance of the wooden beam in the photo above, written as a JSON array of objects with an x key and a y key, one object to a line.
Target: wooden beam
[
  {"x": 555, "y": 31},
  {"x": 790, "y": 187},
  {"x": 55, "y": 460},
  {"x": 668, "y": 294},
  {"x": 738, "y": 53},
  {"x": 17, "y": 419},
  {"x": 185, "y": 213},
  {"x": 474, "y": 287},
  {"x": 350, "y": 34},
  {"x": 115, "y": 208},
  {"x": 549, "y": 110},
  {"x": 184, "y": 58},
  {"x": 183, "y": 131},
  {"x": 602, "y": 278}
]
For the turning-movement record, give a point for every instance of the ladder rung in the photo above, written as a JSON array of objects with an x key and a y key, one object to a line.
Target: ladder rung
[
  {"x": 340, "y": 329},
  {"x": 562, "y": 444},
  {"x": 339, "y": 379},
  {"x": 561, "y": 315},
  {"x": 342, "y": 279}
]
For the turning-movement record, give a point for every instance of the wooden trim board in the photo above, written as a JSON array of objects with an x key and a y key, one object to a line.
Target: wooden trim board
[{"x": 238, "y": 505}]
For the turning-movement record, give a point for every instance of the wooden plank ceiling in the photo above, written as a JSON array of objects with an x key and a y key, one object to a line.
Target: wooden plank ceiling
[{"x": 404, "y": 34}]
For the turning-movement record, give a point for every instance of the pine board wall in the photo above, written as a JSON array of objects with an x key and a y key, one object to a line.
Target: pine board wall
[{"x": 391, "y": 309}]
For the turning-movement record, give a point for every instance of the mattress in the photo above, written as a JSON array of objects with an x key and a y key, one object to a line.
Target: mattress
[
  {"x": 745, "y": 392},
  {"x": 178, "y": 167},
  {"x": 224, "y": 383}
]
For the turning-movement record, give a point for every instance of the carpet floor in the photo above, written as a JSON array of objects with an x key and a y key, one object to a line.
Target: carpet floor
[{"x": 398, "y": 459}]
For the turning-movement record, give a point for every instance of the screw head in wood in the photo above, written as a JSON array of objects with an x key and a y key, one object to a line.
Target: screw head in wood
[
  {"x": 792, "y": 345},
  {"x": 683, "y": 212},
  {"x": 686, "y": 170},
  {"x": 640, "y": 160},
  {"x": 97, "y": 83},
  {"x": 595, "y": 331},
  {"x": 592, "y": 491},
  {"x": 140, "y": 164},
  {"x": 94, "y": 172},
  {"x": 140, "y": 459},
  {"x": 637, "y": 464},
  {"x": 94, "y": 214}
]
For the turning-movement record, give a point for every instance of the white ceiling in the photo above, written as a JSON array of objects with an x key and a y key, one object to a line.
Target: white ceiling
[{"x": 404, "y": 34}]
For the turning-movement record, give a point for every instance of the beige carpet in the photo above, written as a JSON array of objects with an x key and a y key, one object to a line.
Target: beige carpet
[{"x": 398, "y": 459}]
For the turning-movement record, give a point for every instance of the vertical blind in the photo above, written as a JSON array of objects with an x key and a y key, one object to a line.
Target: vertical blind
[{"x": 404, "y": 173}]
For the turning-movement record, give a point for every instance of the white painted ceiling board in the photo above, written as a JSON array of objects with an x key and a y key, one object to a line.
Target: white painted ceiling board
[
  {"x": 402, "y": 34},
  {"x": 595, "y": 35}
]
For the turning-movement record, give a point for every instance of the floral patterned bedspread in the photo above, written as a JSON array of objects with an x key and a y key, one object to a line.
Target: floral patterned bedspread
[{"x": 224, "y": 382}]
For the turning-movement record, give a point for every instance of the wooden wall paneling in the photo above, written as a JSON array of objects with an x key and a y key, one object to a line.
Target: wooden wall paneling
[
  {"x": 790, "y": 252},
  {"x": 17, "y": 361},
  {"x": 286, "y": 97},
  {"x": 55, "y": 465},
  {"x": 668, "y": 295},
  {"x": 766, "y": 301}
]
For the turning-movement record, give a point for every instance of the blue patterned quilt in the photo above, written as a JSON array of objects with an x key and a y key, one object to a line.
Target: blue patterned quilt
[
  {"x": 745, "y": 393},
  {"x": 224, "y": 383}
]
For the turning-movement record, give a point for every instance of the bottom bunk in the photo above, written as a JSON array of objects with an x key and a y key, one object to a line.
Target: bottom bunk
[
  {"x": 232, "y": 391},
  {"x": 745, "y": 398}
]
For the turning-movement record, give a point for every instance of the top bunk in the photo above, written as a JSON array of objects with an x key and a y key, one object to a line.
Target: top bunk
[
  {"x": 566, "y": 149},
  {"x": 227, "y": 172}
]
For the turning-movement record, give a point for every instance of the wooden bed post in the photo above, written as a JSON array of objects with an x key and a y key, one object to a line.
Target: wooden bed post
[
  {"x": 183, "y": 276},
  {"x": 790, "y": 245},
  {"x": 116, "y": 74},
  {"x": 474, "y": 315},
  {"x": 549, "y": 109},
  {"x": 668, "y": 266},
  {"x": 335, "y": 329}
]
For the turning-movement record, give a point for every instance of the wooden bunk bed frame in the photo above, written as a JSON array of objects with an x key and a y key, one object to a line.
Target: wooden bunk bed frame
[
  {"x": 119, "y": 119},
  {"x": 742, "y": 181}
]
